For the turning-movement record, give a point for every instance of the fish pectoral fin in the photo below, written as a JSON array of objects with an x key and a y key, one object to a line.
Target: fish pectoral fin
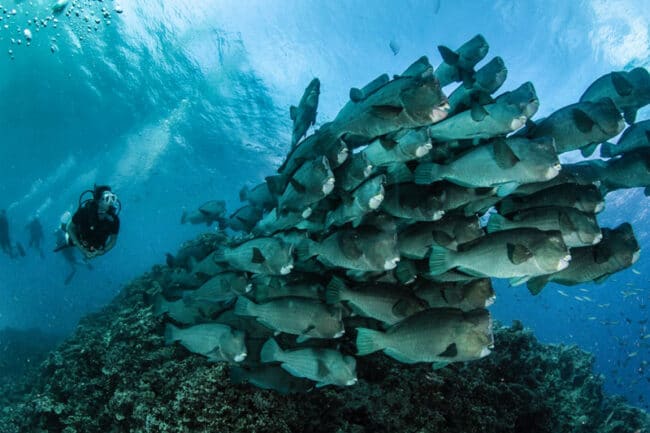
[
  {"x": 293, "y": 112},
  {"x": 387, "y": 143},
  {"x": 258, "y": 257},
  {"x": 583, "y": 121},
  {"x": 441, "y": 238},
  {"x": 322, "y": 368},
  {"x": 507, "y": 188},
  {"x": 622, "y": 85},
  {"x": 450, "y": 352},
  {"x": 386, "y": 112},
  {"x": 601, "y": 279},
  {"x": 438, "y": 365},
  {"x": 478, "y": 112},
  {"x": 566, "y": 224},
  {"x": 297, "y": 186},
  {"x": 349, "y": 247},
  {"x": 535, "y": 285},
  {"x": 601, "y": 253},
  {"x": 302, "y": 338},
  {"x": 504, "y": 155},
  {"x": 401, "y": 308},
  {"x": 518, "y": 253}
]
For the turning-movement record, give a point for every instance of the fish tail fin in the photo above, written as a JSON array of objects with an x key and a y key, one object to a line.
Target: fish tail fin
[
  {"x": 607, "y": 149},
  {"x": 270, "y": 351},
  {"x": 427, "y": 173},
  {"x": 304, "y": 250},
  {"x": 369, "y": 341},
  {"x": 439, "y": 260},
  {"x": 244, "y": 307},
  {"x": 159, "y": 305},
  {"x": 497, "y": 223},
  {"x": 400, "y": 174},
  {"x": 536, "y": 284},
  {"x": 333, "y": 291},
  {"x": 171, "y": 333}
]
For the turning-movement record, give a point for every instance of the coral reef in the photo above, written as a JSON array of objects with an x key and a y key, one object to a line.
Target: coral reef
[{"x": 116, "y": 375}]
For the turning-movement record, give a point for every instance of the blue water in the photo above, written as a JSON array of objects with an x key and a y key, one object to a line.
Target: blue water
[{"x": 176, "y": 103}]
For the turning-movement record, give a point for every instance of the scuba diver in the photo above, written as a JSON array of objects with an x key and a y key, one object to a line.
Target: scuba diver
[
  {"x": 35, "y": 235},
  {"x": 94, "y": 226},
  {"x": 5, "y": 240}
]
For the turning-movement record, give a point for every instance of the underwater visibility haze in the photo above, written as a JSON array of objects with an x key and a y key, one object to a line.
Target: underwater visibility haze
[{"x": 175, "y": 104}]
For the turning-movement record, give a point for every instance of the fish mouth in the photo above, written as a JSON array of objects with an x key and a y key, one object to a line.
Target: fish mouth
[
  {"x": 375, "y": 201},
  {"x": 440, "y": 112},
  {"x": 423, "y": 150},
  {"x": 597, "y": 239},
  {"x": 351, "y": 381},
  {"x": 599, "y": 207},
  {"x": 484, "y": 352},
  {"x": 306, "y": 213},
  {"x": 517, "y": 122},
  {"x": 553, "y": 171},
  {"x": 339, "y": 334},
  {"x": 489, "y": 301},
  {"x": 391, "y": 263},
  {"x": 367, "y": 171},
  {"x": 286, "y": 269},
  {"x": 438, "y": 215},
  {"x": 635, "y": 256},
  {"x": 564, "y": 262},
  {"x": 342, "y": 156},
  {"x": 328, "y": 186},
  {"x": 248, "y": 288},
  {"x": 240, "y": 357}
]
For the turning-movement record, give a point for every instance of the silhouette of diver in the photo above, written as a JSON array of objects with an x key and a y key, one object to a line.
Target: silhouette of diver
[
  {"x": 94, "y": 226},
  {"x": 35, "y": 235}
]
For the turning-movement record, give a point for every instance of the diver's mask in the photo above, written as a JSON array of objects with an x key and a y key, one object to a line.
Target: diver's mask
[{"x": 107, "y": 201}]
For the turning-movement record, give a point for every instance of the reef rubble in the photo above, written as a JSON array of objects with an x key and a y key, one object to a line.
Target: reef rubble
[{"x": 115, "y": 374}]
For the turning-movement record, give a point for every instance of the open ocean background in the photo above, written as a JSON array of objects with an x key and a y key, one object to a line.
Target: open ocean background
[{"x": 177, "y": 103}]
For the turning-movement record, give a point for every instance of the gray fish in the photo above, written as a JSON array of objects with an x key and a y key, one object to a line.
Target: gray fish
[
  {"x": 630, "y": 170},
  {"x": 399, "y": 172},
  {"x": 580, "y": 173},
  {"x": 465, "y": 295},
  {"x": 209, "y": 212},
  {"x": 244, "y": 218},
  {"x": 378, "y": 301},
  {"x": 618, "y": 250},
  {"x": 254, "y": 330},
  {"x": 414, "y": 202},
  {"x": 366, "y": 198},
  {"x": 404, "y": 145},
  {"x": 583, "y": 126},
  {"x": 260, "y": 255},
  {"x": 585, "y": 198},
  {"x": 215, "y": 341},
  {"x": 509, "y": 112},
  {"x": 207, "y": 267},
  {"x": 259, "y": 196},
  {"x": 503, "y": 163},
  {"x": 630, "y": 91},
  {"x": 459, "y": 65},
  {"x": 275, "y": 221},
  {"x": 363, "y": 249},
  {"x": 404, "y": 102},
  {"x": 298, "y": 316},
  {"x": 487, "y": 80},
  {"x": 351, "y": 174},
  {"x": 186, "y": 311},
  {"x": 323, "y": 366},
  {"x": 304, "y": 115},
  {"x": 635, "y": 137},
  {"x": 312, "y": 182},
  {"x": 415, "y": 240},
  {"x": 457, "y": 198},
  {"x": 578, "y": 229},
  {"x": 267, "y": 287},
  {"x": 223, "y": 287},
  {"x": 195, "y": 250},
  {"x": 270, "y": 377},
  {"x": 518, "y": 254},
  {"x": 433, "y": 335}
]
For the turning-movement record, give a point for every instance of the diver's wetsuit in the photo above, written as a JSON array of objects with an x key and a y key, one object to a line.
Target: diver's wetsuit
[
  {"x": 93, "y": 231},
  {"x": 35, "y": 233}
]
